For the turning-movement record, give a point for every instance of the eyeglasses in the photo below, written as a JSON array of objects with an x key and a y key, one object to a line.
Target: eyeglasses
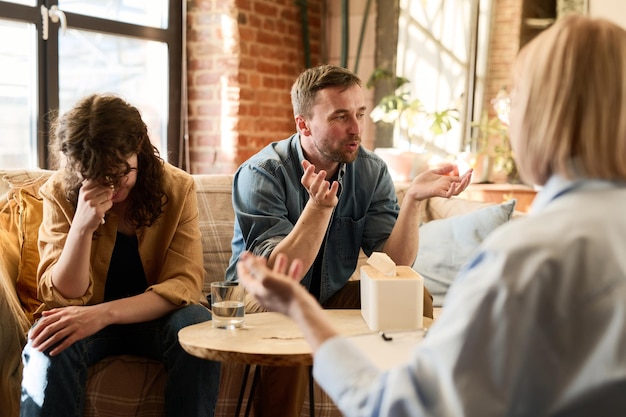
[{"x": 116, "y": 180}]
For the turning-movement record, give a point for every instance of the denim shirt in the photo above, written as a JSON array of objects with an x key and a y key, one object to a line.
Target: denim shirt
[{"x": 268, "y": 199}]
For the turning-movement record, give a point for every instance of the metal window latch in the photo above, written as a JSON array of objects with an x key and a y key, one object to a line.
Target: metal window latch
[{"x": 56, "y": 15}]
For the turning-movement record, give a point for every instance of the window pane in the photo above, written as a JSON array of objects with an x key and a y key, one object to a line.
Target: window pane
[
  {"x": 18, "y": 95},
  {"x": 140, "y": 12},
  {"x": 135, "y": 69},
  {"x": 433, "y": 39}
]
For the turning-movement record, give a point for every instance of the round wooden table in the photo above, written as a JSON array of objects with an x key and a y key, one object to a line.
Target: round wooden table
[
  {"x": 266, "y": 339},
  {"x": 269, "y": 339}
]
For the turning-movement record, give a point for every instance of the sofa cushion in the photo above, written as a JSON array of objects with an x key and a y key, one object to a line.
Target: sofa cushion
[
  {"x": 447, "y": 244},
  {"x": 443, "y": 208},
  {"x": 9, "y": 242},
  {"x": 126, "y": 385},
  {"x": 31, "y": 213},
  {"x": 216, "y": 223},
  {"x": 13, "y": 324},
  {"x": 24, "y": 192}
]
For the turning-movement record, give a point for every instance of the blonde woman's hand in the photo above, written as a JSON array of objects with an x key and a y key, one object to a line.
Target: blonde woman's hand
[{"x": 273, "y": 288}]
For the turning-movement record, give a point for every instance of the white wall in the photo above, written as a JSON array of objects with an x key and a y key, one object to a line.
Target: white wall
[{"x": 614, "y": 10}]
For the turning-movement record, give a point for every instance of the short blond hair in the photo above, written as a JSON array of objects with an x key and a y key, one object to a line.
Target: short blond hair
[
  {"x": 312, "y": 80},
  {"x": 570, "y": 87}
]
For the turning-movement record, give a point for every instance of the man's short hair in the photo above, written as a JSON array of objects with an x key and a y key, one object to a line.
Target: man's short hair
[{"x": 309, "y": 82}]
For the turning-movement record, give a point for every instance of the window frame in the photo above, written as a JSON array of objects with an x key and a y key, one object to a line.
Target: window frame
[{"x": 48, "y": 65}]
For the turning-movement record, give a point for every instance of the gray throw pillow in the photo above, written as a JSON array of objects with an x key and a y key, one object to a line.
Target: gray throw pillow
[{"x": 446, "y": 245}]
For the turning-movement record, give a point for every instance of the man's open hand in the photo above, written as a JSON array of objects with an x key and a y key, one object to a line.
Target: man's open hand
[{"x": 439, "y": 182}]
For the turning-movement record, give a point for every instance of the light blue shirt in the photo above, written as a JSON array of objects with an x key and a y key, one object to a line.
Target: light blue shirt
[
  {"x": 535, "y": 325},
  {"x": 268, "y": 199}
]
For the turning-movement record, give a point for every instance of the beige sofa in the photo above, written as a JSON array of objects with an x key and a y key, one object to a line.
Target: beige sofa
[{"x": 123, "y": 385}]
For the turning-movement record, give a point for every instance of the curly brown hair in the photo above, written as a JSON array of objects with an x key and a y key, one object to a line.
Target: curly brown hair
[{"x": 95, "y": 138}]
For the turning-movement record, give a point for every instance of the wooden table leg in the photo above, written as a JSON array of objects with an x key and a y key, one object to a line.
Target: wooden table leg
[
  {"x": 244, "y": 383},
  {"x": 311, "y": 393},
  {"x": 255, "y": 380}
]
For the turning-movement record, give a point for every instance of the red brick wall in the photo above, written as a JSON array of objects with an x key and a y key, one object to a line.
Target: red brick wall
[
  {"x": 243, "y": 56},
  {"x": 504, "y": 46}
]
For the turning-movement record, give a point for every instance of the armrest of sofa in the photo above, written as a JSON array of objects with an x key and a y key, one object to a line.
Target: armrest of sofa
[
  {"x": 11, "y": 308},
  {"x": 13, "y": 326}
]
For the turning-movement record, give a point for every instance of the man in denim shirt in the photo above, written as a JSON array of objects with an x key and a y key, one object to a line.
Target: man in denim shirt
[{"x": 320, "y": 197}]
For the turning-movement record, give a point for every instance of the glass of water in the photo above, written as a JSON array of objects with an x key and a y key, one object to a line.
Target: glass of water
[{"x": 227, "y": 304}]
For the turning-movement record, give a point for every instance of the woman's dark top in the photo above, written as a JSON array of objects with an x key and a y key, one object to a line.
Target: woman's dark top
[{"x": 126, "y": 276}]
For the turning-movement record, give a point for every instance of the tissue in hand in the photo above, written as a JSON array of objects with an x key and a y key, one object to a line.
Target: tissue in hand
[{"x": 392, "y": 297}]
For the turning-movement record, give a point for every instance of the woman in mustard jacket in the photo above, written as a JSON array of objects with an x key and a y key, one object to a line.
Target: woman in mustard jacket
[{"x": 121, "y": 267}]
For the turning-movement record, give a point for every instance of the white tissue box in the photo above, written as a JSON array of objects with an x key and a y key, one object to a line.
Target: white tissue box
[{"x": 392, "y": 302}]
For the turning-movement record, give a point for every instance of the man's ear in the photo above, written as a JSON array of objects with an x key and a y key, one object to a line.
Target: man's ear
[{"x": 302, "y": 125}]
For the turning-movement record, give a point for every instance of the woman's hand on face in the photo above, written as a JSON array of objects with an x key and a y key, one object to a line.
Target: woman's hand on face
[
  {"x": 439, "y": 182},
  {"x": 273, "y": 288},
  {"x": 94, "y": 200},
  {"x": 64, "y": 326}
]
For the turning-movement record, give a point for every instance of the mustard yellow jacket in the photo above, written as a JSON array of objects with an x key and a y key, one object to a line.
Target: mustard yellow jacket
[{"x": 170, "y": 249}]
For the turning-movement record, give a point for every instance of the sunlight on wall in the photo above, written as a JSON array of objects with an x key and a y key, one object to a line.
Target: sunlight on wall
[{"x": 229, "y": 93}]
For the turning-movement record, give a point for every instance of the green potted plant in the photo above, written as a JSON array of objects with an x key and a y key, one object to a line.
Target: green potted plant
[
  {"x": 408, "y": 114},
  {"x": 414, "y": 126},
  {"x": 493, "y": 156}
]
